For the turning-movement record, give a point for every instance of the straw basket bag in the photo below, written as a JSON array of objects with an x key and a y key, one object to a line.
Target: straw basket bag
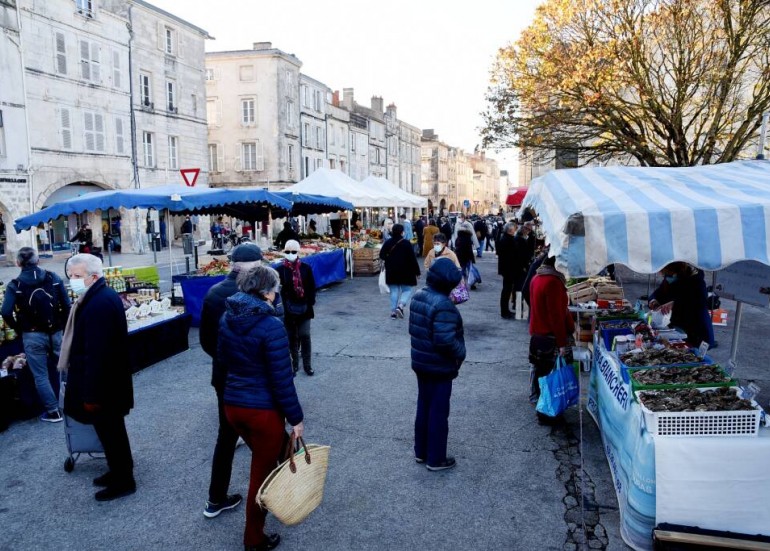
[{"x": 295, "y": 488}]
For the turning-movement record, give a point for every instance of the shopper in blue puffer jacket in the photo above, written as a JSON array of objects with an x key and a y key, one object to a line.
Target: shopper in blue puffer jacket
[
  {"x": 259, "y": 392},
  {"x": 438, "y": 351}
]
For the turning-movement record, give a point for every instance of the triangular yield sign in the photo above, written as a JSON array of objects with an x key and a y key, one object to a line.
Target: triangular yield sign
[{"x": 194, "y": 172}]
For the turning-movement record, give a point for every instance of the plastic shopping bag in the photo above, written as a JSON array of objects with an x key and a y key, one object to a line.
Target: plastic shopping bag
[
  {"x": 384, "y": 289},
  {"x": 474, "y": 277},
  {"x": 559, "y": 390}
]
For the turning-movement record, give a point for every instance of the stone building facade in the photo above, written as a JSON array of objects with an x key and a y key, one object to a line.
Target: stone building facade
[
  {"x": 313, "y": 98},
  {"x": 82, "y": 62},
  {"x": 337, "y": 135},
  {"x": 253, "y": 106}
]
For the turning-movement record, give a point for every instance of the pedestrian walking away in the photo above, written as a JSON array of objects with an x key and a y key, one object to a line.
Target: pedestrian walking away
[
  {"x": 259, "y": 388},
  {"x": 480, "y": 228},
  {"x": 427, "y": 235},
  {"x": 243, "y": 257},
  {"x": 36, "y": 306},
  {"x": 94, "y": 356},
  {"x": 507, "y": 267},
  {"x": 550, "y": 328},
  {"x": 298, "y": 297},
  {"x": 437, "y": 352},
  {"x": 401, "y": 270}
]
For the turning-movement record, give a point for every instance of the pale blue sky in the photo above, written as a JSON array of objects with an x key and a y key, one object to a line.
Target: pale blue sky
[{"x": 429, "y": 57}]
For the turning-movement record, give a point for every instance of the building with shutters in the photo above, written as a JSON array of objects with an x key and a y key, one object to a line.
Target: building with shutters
[
  {"x": 253, "y": 107},
  {"x": 112, "y": 92},
  {"x": 313, "y": 97}
]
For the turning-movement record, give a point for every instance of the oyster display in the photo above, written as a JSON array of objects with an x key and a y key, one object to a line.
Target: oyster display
[
  {"x": 701, "y": 374},
  {"x": 691, "y": 399},
  {"x": 663, "y": 356}
]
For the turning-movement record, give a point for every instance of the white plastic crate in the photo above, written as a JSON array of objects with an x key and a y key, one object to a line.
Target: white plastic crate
[{"x": 701, "y": 423}]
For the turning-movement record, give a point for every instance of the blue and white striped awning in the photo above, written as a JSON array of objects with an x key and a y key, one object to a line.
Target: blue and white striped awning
[{"x": 710, "y": 216}]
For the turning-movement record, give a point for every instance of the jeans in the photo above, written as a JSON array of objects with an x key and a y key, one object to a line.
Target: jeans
[
  {"x": 480, "y": 248},
  {"x": 299, "y": 339},
  {"x": 263, "y": 432},
  {"x": 399, "y": 295},
  {"x": 431, "y": 424},
  {"x": 224, "y": 451},
  {"x": 37, "y": 347}
]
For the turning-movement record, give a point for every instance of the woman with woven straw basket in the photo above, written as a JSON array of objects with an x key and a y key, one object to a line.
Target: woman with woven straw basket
[{"x": 259, "y": 393}]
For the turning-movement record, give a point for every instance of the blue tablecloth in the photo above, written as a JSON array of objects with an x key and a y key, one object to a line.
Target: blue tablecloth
[{"x": 327, "y": 268}]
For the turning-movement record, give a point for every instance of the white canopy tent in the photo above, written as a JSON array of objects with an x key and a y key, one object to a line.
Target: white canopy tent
[
  {"x": 334, "y": 183},
  {"x": 395, "y": 196}
]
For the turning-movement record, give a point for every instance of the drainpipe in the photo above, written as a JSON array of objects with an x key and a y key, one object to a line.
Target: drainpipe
[
  {"x": 134, "y": 162},
  {"x": 28, "y": 170}
]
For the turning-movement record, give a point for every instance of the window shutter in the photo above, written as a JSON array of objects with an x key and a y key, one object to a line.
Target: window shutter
[
  {"x": 116, "y": 73},
  {"x": 119, "y": 139},
  {"x": 61, "y": 54},
  {"x": 220, "y": 157},
  {"x": 95, "y": 55},
  {"x": 99, "y": 129},
  {"x": 260, "y": 157},
  {"x": 88, "y": 127},
  {"x": 161, "y": 36},
  {"x": 219, "y": 112},
  {"x": 180, "y": 44},
  {"x": 237, "y": 164},
  {"x": 66, "y": 128},
  {"x": 85, "y": 60}
]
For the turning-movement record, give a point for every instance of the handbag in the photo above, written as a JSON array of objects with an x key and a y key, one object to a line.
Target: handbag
[
  {"x": 474, "y": 277},
  {"x": 384, "y": 289},
  {"x": 294, "y": 308},
  {"x": 295, "y": 488},
  {"x": 559, "y": 389},
  {"x": 460, "y": 294}
]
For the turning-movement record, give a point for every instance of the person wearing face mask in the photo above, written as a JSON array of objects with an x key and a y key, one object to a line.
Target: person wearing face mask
[
  {"x": 298, "y": 296},
  {"x": 439, "y": 250},
  {"x": 94, "y": 355},
  {"x": 685, "y": 286},
  {"x": 259, "y": 395}
]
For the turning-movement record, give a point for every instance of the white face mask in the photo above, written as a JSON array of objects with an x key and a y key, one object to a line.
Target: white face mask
[
  {"x": 78, "y": 286},
  {"x": 438, "y": 248},
  {"x": 291, "y": 257}
]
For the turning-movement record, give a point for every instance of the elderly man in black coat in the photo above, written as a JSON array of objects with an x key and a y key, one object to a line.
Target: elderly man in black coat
[
  {"x": 95, "y": 355},
  {"x": 438, "y": 351}
]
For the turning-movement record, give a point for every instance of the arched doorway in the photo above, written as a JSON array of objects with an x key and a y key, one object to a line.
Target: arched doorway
[
  {"x": 64, "y": 228},
  {"x": 452, "y": 208},
  {"x": 442, "y": 206}
]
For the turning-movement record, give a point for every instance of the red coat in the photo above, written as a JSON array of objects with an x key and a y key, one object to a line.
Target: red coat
[{"x": 548, "y": 309}]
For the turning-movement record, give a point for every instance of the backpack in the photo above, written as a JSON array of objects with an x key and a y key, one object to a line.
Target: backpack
[{"x": 37, "y": 306}]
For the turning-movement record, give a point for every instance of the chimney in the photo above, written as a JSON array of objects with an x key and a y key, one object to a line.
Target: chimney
[
  {"x": 336, "y": 98},
  {"x": 392, "y": 110},
  {"x": 377, "y": 104},
  {"x": 347, "y": 98},
  {"x": 429, "y": 134},
  {"x": 263, "y": 45}
]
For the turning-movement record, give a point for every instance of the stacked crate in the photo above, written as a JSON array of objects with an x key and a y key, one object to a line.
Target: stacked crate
[{"x": 366, "y": 261}]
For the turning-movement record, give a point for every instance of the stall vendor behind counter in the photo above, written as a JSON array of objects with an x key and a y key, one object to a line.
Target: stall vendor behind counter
[{"x": 686, "y": 287}]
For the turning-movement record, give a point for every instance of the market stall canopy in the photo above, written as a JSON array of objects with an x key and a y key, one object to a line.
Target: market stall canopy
[
  {"x": 334, "y": 183},
  {"x": 710, "y": 216},
  {"x": 393, "y": 195},
  {"x": 246, "y": 204},
  {"x": 303, "y": 203},
  {"x": 516, "y": 196}
]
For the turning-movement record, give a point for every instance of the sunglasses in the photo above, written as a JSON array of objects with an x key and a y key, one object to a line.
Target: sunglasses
[{"x": 290, "y": 252}]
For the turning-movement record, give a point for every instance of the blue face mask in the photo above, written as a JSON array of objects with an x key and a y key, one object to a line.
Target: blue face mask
[{"x": 671, "y": 278}]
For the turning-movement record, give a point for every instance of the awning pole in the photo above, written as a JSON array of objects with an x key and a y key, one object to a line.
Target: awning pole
[
  {"x": 736, "y": 332},
  {"x": 350, "y": 242},
  {"x": 109, "y": 235}
]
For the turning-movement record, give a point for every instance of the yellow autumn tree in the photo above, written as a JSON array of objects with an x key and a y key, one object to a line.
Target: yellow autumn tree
[{"x": 665, "y": 82}]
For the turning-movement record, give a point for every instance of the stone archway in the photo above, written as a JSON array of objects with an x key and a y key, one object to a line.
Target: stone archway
[
  {"x": 63, "y": 229},
  {"x": 442, "y": 206}
]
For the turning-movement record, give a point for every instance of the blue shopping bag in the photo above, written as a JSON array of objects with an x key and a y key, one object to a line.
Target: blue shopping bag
[
  {"x": 558, "y": 390},
  {"x": 474, "y": 277}
]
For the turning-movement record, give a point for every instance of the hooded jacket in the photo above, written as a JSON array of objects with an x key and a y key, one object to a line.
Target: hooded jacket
[
  {"x": 255, "y": 348},
  {"x": 435, "y": 324}
]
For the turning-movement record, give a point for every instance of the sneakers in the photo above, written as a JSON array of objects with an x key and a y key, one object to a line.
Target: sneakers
[
  {"x": 52, "y": 417},
  {"x": 447, "y": 463},
  {"x": 419, "y": 460},
  {"x": 393, "y": 315},
  {"x": 213, "y": 509},
  {"x": 400, "y": 312}
]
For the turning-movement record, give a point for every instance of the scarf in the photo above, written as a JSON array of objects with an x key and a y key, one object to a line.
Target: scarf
[
  {"x": 550, "y": 270},
  {"x": 66, "y": 341},
  {"x": 296, "y": 277}
]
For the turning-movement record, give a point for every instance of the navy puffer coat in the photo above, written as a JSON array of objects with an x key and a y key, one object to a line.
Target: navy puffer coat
[
  {"x": 254, "y": 347},
  {"x": 435, "y": 324}
]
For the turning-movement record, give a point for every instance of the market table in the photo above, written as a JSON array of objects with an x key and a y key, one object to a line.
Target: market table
[
  {"x": 328, "y": 268},
  {"x": 713, "y": 482},
  {"x": 18, "y": 393},
  {"x": 157, "y": 338}
]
